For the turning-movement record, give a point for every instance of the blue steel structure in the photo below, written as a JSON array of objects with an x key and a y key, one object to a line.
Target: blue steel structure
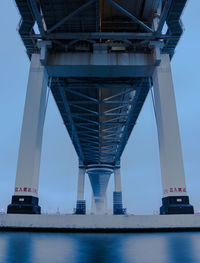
[
  {"x": 96, "y": 111},
  {"x": 100, "y": 112},
  {"x": 76, "y": 25}
]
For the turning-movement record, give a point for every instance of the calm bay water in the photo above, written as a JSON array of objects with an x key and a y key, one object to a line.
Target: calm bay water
[{"x": 99, "y": 248}]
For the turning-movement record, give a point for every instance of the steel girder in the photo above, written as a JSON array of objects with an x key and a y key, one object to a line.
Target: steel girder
[
  {"x": 85, "y": 23},
  {"x": 100, "y": 119},
  {"x": 100, "y": 113}
]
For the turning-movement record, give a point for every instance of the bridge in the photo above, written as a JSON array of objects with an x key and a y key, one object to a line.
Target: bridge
[{"x": 100, "y": 58}]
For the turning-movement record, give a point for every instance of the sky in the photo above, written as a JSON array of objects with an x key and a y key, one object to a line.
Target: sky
[{"x": 140, "y": 166}]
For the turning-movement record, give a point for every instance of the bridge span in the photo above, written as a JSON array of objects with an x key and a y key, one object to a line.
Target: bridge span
[{"x": 100, "y": 58}]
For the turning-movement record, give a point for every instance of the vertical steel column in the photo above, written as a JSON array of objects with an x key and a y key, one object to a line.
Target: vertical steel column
[
  {"x": 175, "y": 199},
  {"x": 25, "y": 198},
  {"x": 117, "y": 194},
  {"x": 81, "y": 204}
]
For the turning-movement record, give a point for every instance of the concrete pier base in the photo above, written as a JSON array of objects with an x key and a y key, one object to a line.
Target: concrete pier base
[
  {"x": 99, "y": 223},
  {"x": 24, "y": 205},
  {"x": 81, "y": 207},
  {"x": 176, "y": 205},
  {"x": 117, "y": 204}
]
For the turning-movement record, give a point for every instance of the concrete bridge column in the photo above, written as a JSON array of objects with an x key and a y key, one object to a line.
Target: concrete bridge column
[
  {"x": 25, "y": 198},
  {"x": 99, "y": 204},
  {"x": 175, "y": 199},
  {"x": 117, "y": 194},
  {"x": 99, "y": 177},
  {"x": 81, "y": 204}
]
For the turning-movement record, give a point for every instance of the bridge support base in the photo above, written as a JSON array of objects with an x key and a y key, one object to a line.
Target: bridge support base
[
  {"x": 80, "y": 207},
  {"x": 24, "y": 205},
  {"x": 99, "y": 176},
  {"x": 175, "y": 199},
  {"x": 25, "y": 200},
  {"x": 117, "y": 204},
  {"x": 81, "y": 203},
  {"x": 117, "y": 194},
  {"x": 176, "y": 205}
]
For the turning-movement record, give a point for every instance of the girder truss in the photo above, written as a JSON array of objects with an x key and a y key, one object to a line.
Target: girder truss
[
  {"x": 76, "y": 25},
  {"x": 99, "y": 114}
]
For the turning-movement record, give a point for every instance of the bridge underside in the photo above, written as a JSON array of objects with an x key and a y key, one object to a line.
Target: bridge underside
[
  {"x": 76, "y": 25},
  {"x": 100, "y": 58},
  {"x": 100, "y": 113},
  {"x": 100, "y": 109}
]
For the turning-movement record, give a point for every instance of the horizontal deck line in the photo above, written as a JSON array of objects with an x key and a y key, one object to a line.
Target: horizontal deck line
[{"x": 99, "y": 223}]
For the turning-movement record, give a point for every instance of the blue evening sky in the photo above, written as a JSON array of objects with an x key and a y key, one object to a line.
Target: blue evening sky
[{"x": 140, "y": 166}]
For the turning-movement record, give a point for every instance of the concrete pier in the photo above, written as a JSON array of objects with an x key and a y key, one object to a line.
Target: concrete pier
[
  {"x": 99, "y": 223},
  {"x": 175, "y": 199}
]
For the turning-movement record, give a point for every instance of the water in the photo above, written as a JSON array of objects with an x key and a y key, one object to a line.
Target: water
[{"x": 99, "y": 248}]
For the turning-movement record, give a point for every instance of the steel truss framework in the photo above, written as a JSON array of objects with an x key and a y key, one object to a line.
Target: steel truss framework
[
  {"x": 76, "y": 25},
  {"x": 100, "y": 113},
  {"x": 100, "y": 58}
]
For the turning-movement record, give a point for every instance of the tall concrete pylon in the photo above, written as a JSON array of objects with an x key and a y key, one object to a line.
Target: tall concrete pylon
[
  {"x": 25, "y": 198},
  {"x": 175, "y": 199}
]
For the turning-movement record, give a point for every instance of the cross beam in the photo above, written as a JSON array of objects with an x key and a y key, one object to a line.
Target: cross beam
[{"x": 71, "y": 15}]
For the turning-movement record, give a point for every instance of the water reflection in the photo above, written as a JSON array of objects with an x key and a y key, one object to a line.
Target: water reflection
[
  {"x": 3, "y": 247},
  {"x": 99, "y": 248},
  {"x": 19, "y": 247},
  {"x": 145, "y": 248},
  {"x": 54, "y": 248},
  {"x": 181, "y": 249}
]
